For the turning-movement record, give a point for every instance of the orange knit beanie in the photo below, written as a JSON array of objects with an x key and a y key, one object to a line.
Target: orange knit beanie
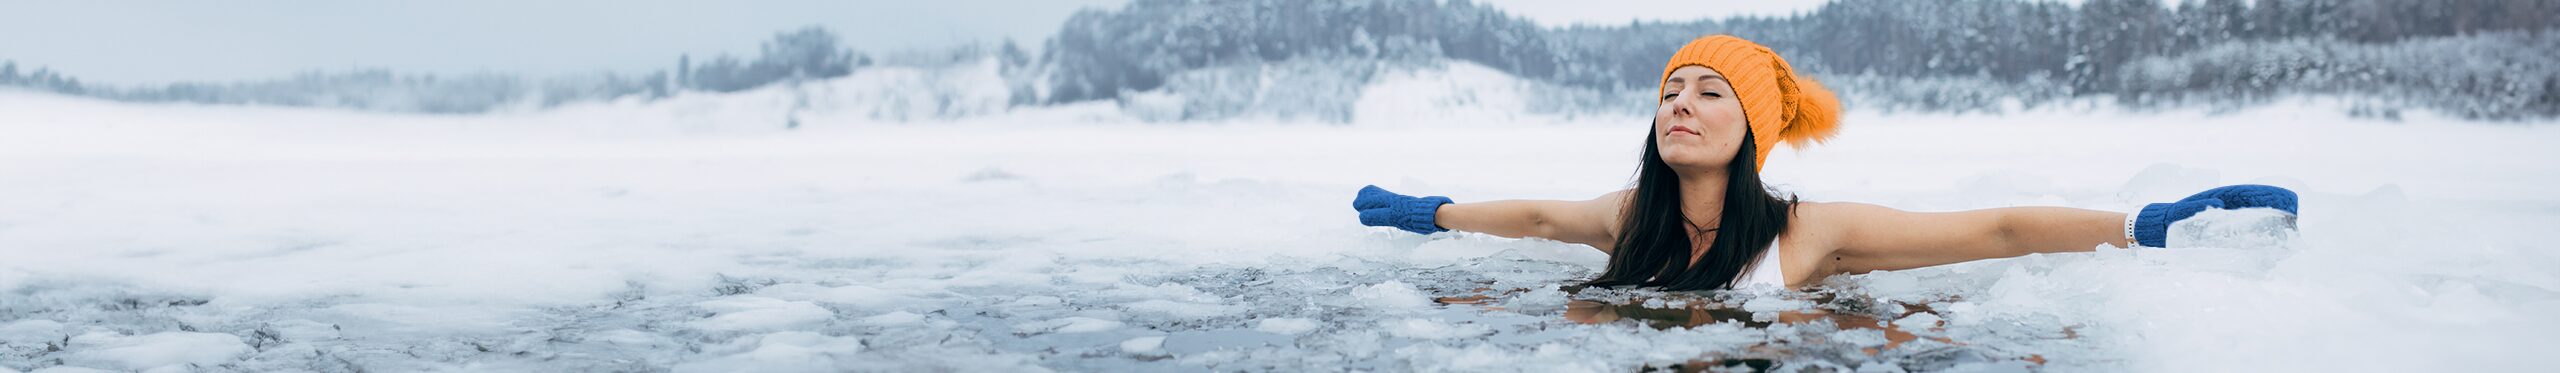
[{"x": 1779, "y": 105}]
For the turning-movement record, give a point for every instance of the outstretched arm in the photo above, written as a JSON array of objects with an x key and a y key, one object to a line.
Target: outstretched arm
[
  {"x": 1588, "y": 222},
  {"x": 1871, "y": 237},
  {"x": 1591, "y": 222}
]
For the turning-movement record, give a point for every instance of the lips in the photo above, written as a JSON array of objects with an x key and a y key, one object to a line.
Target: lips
[{"x": 1680, "y": 129}]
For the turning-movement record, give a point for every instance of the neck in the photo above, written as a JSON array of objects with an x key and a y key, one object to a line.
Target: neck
[
  {"x": 1702, "y": 202},
  {"x": 1702, "y": 197}
]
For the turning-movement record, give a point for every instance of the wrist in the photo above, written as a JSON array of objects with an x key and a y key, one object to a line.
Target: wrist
[{"x": 1441, "y": 214}]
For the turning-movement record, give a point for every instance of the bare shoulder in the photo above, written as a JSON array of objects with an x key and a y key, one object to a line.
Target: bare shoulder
[
  {"x": 1601, "y": 217},
  {"x": 1845, "y": 233},
  {"x": 1823, "y": 227},
  {"x": 1610, "y": 208},
  {"x": 1831, "y": 221},
  {"x": 1817, "y": 234}
]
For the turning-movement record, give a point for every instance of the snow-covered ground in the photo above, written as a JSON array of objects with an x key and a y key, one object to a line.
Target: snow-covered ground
[{"x": 696, "y": 234}]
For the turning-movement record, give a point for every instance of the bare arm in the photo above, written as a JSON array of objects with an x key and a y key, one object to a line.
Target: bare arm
[
  {"x": 1871, "y": 237},
  {"x": 1591, "y": 222}
]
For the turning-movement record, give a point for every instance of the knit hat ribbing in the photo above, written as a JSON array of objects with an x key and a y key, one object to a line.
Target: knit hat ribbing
[{"x": 1777, "y": 104}]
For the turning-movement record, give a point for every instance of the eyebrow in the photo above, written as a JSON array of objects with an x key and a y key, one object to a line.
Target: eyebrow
[{"x": 1702, "y": 79}]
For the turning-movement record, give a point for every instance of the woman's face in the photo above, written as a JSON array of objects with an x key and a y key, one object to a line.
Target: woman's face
[{"x": 1699, "y": 123}]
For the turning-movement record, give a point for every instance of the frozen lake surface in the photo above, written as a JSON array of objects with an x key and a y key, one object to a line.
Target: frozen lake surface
[{"x": 696, "y": 235}]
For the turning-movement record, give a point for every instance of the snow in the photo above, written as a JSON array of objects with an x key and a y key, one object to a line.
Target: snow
[
  {"x": 1459, "y": 93},
  {"x": 1621, "y": 12},
  {"x": 154, "y": 351},
  {"x": 695, "y": 233},
  {"x": 749, "y": 313}
]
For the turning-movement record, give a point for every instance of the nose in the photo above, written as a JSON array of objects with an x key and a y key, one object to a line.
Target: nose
[{"x": 1680, "y": 107}]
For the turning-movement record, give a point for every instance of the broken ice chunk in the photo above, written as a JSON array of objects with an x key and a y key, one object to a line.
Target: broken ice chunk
[
  {"x": 1433, "y": 329},
  {"x": 2237, "y": 228},
  {"x": 1286, "y": 325},
  {"x": 1142, "y": 344},
  {"x": 1390, "y": 295},
  {"x": 893, "y": 318},
  {"x": 752, "y": 313},
  {"x": 1774, "y": 303},
  {"x": 1921, "y": 320}
]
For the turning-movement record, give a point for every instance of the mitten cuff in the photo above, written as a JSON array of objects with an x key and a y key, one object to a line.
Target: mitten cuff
[
  {"x": 1422, "y": 215},
  {"x": 2151, "y": 226}
]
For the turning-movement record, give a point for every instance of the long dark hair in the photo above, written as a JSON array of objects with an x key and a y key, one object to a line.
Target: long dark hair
[{"x": 1653, "y": 242}]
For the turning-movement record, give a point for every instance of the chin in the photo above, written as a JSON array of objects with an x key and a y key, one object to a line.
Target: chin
[
  {"x": 1693, "y": 165},
  {"x": 1685, "y": 160}
]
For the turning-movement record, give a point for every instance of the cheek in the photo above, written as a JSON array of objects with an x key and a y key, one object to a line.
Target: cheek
[
  {"x": 1726, "y": 122},
  {"x": 1729, "y": 121},
  {"x": 1728, "y": 114}
]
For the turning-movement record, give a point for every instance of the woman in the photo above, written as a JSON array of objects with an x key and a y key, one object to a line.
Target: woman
[{"x": 1699, "y": 218}]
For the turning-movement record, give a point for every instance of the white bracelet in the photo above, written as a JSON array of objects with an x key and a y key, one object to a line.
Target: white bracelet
[{"x": 2129, "y": 240}]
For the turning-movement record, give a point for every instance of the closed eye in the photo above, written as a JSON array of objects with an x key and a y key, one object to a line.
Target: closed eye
[{"x": 1668, "y": 96}]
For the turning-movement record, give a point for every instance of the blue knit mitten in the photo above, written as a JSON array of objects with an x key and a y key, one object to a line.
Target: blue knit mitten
[
  {"x": 2151, "y": 226},
  {"x": 1381, "y": 208}
]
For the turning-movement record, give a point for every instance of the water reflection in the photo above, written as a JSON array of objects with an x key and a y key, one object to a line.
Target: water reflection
[
  {"x": 1702, "y": 313},
  {"x": 1665, "y": 311}
]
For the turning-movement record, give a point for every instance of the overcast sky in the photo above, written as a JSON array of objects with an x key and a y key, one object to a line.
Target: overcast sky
[{"x": 159, "y": 41}]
